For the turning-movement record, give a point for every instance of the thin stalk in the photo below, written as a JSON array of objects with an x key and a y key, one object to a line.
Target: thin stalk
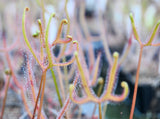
[
  {"x": 16, "y": 81},
  {"x": 56, "y": 86},
  {"x": 34, "y": 112},
  {"x": 66, "y": 104},
  {"x": 136, "y": 84},
  {"x": 18, "y": 85},
  {"x": 100, "y": 81},
  {"x": 100, "y": 111},
  {"x": 42, "y": 95},
  {"x": 25, "y": 37},
  {"x": 5, "y": 97},
  {"x": 47, "y": 43},
  {"x": 32, "y": 85},
  {"x": 42, "y": 44},
  {"x": 63, "y": 110}
]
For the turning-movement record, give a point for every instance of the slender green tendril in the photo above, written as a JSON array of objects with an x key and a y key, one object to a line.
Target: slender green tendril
[
  {"x": 46, "y": 41},
  {"x": 56, "y": 86}
]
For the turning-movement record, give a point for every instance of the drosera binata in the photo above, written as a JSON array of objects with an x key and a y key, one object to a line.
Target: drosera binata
[
  {"x": 142, "y": 45},
  {"x": 107, "y": 94}
]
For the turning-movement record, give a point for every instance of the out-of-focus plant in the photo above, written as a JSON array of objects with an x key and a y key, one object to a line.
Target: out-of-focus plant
[
  {"x": 82, "y": 67},
  {"x": 107, "y": 95},
  {"x": 8, "y": 76},
  {"x": 16, "y": 84},
  {"x": 142, "y": 45},
  {"x": 89, "y": 75}
]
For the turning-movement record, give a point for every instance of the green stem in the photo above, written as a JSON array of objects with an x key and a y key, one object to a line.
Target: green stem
[
  {"x": 101, "y": 82},
  {"x": 46, "y": 42},
  {"x": 153, "y": 34},
  {"x": 56, "y": 86},
  {"x": 25, "y": 36}
]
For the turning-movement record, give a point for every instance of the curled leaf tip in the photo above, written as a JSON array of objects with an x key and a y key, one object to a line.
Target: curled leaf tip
[
  {"x": 75, "y": 41},
  {"x": 124, "y": 84},
  {"x": 27, "y": 9},
  {"x": 53, "y": 14},
  {"x": 69, "y": 36},
  {"x": 65, "y": 21},
  {"x": 115, "y": 54},
  {"x": 100, "y": 80},
  {"x": 126, "y": 89}
]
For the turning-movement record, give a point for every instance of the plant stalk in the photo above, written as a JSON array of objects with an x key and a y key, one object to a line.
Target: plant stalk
[
  {"x": 5, "y": 97},
  {"x": 42, "y": 78},
  {"x": 100, "y": 81},
  {"x": 42, "y": 95},
  {"x": 56, "y": 86},
  {"x": 100, "y": 111},
  {"x": 136, "y": 84}
]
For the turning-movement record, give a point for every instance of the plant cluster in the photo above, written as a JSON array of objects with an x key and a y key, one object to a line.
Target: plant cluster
[{"x": 74, "y": 79}]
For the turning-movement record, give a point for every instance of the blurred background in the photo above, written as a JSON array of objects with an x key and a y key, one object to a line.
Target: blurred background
[{"x": 92, "y": 19}]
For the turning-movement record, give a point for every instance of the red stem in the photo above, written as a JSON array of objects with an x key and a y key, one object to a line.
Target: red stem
[
  {"x": 136, "y": 84},
  {"x": 42, "y": 78},
  {"x": 5, "y": 97},
  {"x": 15, "y": 79},
  {"x": 42, "y": 95}
]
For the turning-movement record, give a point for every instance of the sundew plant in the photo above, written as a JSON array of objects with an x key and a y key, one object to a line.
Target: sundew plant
[{"x": 60, "y": 58}]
